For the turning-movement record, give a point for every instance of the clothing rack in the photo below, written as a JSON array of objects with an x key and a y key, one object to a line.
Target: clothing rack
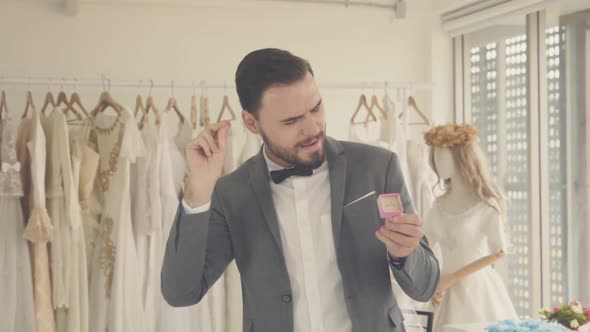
[{"x": 106, "y": 83}]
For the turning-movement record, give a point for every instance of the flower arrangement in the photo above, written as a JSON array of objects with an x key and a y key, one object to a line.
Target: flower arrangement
[{"x": 572, "y": 315}]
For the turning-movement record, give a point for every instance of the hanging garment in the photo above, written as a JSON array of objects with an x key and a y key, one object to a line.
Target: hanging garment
[
  {"x": 31, "y": 153},
  {"x": 393, "y": 133},
  {"x": 147, "y": 224},
  {"x": 422, "y": 177},
  {"x": 365, "y": 133},
  {"x": 252, "y": 144},
  {"x": 115, "y": 293},
  {"x": 84, "y": 165},
  {"x": 16, "y": 286},
  {"x": 68, "y": 249},
  {"x": 209, "y": 314}
]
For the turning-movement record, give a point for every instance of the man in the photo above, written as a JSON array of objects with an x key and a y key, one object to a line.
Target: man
[{"x": 300, "y": 218}]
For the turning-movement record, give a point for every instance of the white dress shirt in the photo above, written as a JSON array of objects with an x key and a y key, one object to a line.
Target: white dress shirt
[{"x": 303, "y": 206}]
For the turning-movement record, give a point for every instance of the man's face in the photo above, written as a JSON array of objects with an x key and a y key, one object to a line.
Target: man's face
[{"x": 291, "y": 121}]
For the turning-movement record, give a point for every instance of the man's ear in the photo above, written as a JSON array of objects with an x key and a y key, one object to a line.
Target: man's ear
[{"x": 250, "y": 122}]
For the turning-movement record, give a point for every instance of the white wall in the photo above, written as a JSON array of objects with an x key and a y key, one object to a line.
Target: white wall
[
  {"x": 442, "y": 111},
  {"x": 207, "y": 39}
]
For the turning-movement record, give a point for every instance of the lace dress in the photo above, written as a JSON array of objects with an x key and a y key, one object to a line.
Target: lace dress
[{"x": 16, "y": 288}]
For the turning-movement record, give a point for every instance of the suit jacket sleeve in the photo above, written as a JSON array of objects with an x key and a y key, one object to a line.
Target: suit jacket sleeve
[
  {"x": 197, "y": 252},
  {"x": 420, "y": 273}
]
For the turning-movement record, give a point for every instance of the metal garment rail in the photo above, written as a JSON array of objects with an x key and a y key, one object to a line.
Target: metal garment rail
[{"x": 107, "y": 83}]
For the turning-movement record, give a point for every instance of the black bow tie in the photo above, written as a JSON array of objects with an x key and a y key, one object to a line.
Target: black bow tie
[{"x": 284, "y": 174}]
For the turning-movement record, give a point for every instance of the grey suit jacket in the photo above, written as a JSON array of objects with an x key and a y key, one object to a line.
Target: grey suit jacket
[{"x": 242, "y": 224}]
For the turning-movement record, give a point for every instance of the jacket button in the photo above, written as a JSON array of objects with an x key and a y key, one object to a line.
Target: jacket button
[{"x": 286, "y": 298}]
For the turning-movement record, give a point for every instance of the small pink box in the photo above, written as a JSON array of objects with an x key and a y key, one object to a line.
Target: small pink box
[{"x": 390, "y": 205}]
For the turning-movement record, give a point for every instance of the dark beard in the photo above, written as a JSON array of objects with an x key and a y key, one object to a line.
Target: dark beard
[{"x": 290, "y": 157}]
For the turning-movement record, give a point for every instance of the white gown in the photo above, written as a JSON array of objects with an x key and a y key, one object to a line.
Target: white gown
[
  {"x": 16, "y": 281},
  {"x": 209, "y": 314},
  {"x": 68, "y": 249},
  {"x": 84, "y": 165},
  {"x": 393, "y": 135},
  {"x": 147, "y": 224},
  {"x": 463, "y": 239},
  {"x": 115, "y": 294},
  {"x": 252, "y": 144},
  {"x": 422, "y": 177},
  {"x": 387, "y": 133}
]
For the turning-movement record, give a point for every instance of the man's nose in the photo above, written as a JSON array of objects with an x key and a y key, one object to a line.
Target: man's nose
[{"x": 310, "y": 127}]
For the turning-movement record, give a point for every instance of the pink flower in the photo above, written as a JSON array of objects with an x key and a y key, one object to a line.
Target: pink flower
[
  {"x": 587, "y": 310},
  {"x": 555, "y": 309},
  {"x": 576, "y": 307}
]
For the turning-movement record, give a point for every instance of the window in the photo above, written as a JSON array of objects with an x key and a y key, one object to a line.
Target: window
[
  {"x": 498, "y": 74},
  {"x": 536, "y": 152},
  {"x": 555, "y": 52}
]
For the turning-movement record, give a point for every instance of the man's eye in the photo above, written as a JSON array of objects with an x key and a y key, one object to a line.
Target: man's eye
[{"x": 290, "y": 122}]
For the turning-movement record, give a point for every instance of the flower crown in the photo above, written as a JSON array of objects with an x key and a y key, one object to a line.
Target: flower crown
[{"x": 451, "y": 135}]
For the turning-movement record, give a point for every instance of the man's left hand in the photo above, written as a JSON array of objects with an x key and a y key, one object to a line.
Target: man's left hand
[{"x": 401, "y": 235}]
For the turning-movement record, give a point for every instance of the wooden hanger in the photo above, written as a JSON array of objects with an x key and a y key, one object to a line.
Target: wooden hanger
[
  {"x": 204, "y": 119},
  {"x": 49, "y": 100},
  {"x": 62, "y": 98},
  {"x": 194, "y": 112},
  {"x": 414, "y": 105},
  {"x": 3, "y": 106},
  {"x": 76, "y": 101},
  {"x": 139, "y": 102},
  {"x": 150, "y": 105},
  {"x": 105, "y": 101},
  {"x": 139, "y": 106},
  {"x": 375, "y": 103},
  {"x": 363, "y": 103},
  {"x": 29, "y": 104},
  {"x": 172, "y": 105},
  {"x": 225, "y": 106}
]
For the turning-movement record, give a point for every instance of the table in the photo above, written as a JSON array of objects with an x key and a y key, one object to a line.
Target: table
[{"x": 475, "y": 327}]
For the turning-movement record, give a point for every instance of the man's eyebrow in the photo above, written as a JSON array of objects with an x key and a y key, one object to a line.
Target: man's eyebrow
[{"x": 294, "y": 118}]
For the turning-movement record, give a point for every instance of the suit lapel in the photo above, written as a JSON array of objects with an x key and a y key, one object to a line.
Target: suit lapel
[
  {"x": 260, "y": 183},
  {"x": 337, "y": 167}
]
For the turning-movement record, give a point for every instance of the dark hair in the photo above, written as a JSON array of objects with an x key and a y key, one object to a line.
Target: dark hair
[{"x": 264, "y": 68}]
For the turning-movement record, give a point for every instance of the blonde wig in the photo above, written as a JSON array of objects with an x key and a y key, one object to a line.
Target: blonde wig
[{"x": 470, "y": 161}]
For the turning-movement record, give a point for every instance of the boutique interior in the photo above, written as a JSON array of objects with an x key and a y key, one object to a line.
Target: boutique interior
[{"x": 100, "y": 98}]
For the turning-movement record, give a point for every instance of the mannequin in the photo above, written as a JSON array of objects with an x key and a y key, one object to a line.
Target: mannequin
[
  {"x": 461, "y": 197},
  {"x": 467, "y": 223}
]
